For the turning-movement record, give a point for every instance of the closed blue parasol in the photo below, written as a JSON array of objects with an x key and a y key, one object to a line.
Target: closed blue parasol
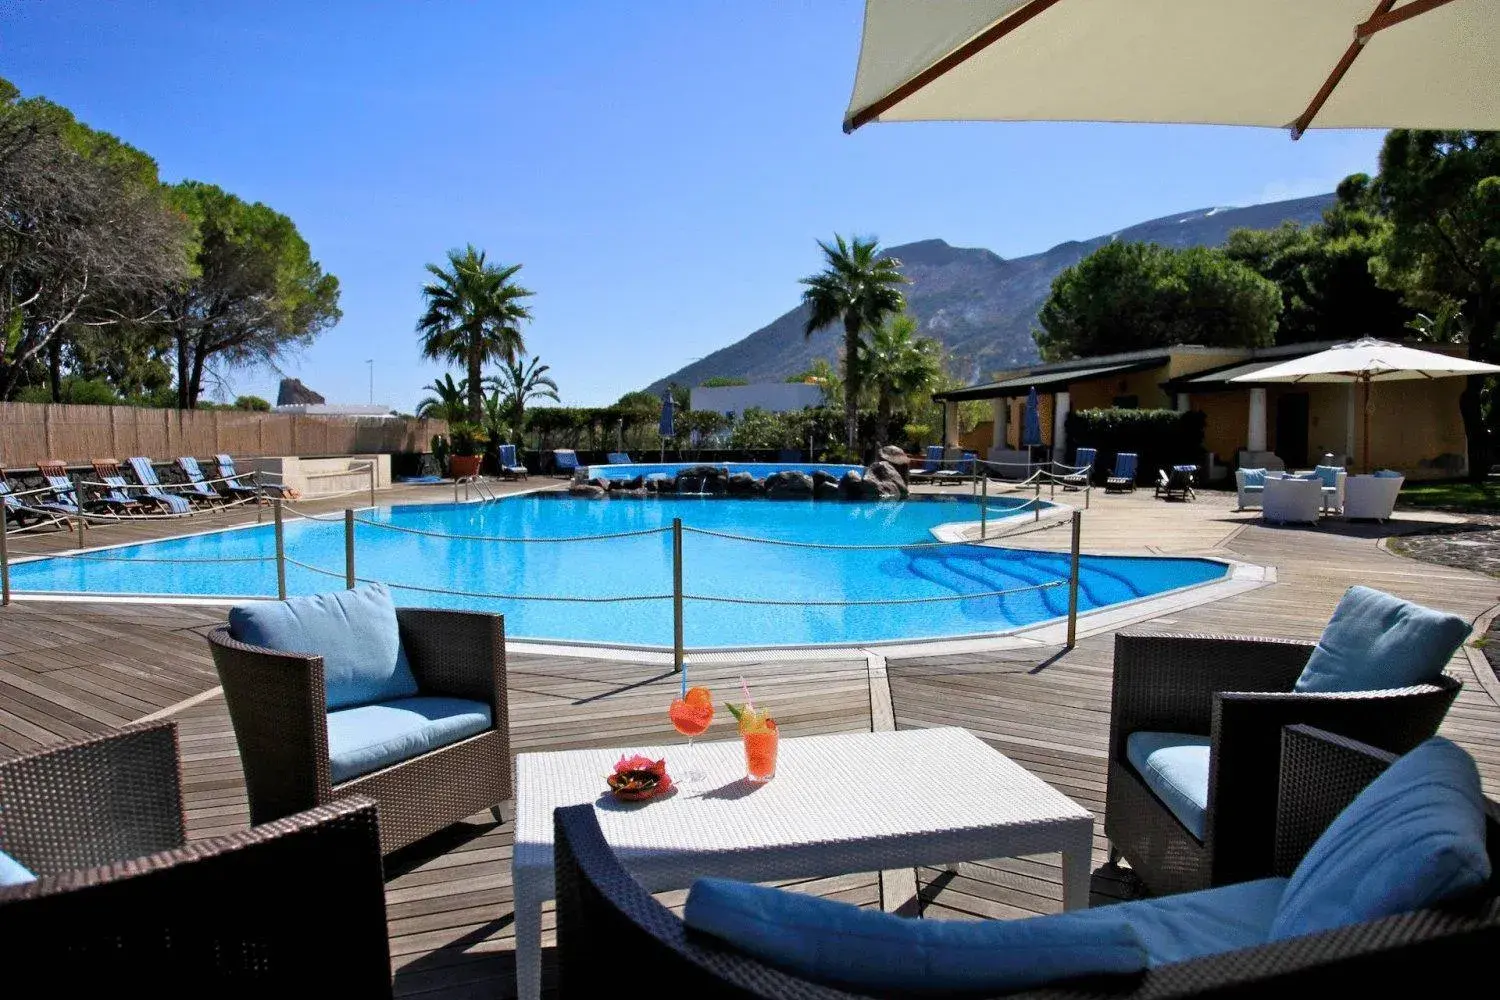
[
  {"x": 667, "y": 427},
  {"x": 1031, "y": 427}
]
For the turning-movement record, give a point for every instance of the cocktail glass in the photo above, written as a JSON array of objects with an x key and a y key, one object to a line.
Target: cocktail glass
[
  {"x": 761, "y": 741},
  {"x": 691, "y": 715}
]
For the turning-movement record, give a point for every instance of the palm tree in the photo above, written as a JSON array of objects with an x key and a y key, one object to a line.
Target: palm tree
[
  {"x": 859, "y": 288},
  {"x": 474, "y": 314},
  {"x": 519, "y": 383},
  {"x": 446, "y": 400},
  {"x": 898, "y": 366}
]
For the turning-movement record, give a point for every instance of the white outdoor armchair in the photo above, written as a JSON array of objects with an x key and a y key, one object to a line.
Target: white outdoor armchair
[
  {"x": 1289, "y": 500},
  {"x": 1371, "y": 496}
]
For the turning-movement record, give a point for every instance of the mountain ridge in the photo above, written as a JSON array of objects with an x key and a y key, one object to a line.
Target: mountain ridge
[{"x": 981, "y": 306}]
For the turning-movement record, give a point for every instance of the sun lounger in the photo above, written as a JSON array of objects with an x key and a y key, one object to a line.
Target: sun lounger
[
  {"x": 1083, "y": 469},
  {"x": 28, "y": 505},
  {"x": 564, "y": 461},
  {"x": 236, "y": 484},
  {"x": 1123, "y": 478},
  {"x": 107, "y": 471},
  {"x": 198, "y": 487},
  {"x": 231, "y": 483},
  {"x": 145, "y": 476},
  {"x": 63, "y": 501},
  {"x": 620, "y": 458},
  {"x": 113, "y": 497},
  {"x": 1176, "y": 484},
  {"x": 932, "y": 463},
  {"x": 510, "y": 465}
]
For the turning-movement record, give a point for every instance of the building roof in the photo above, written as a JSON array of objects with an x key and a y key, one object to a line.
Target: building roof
[
  {"x": 1049, "y": 377},
  {"x": 1219, "y": 378}
]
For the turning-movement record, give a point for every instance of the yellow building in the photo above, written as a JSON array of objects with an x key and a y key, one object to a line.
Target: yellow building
[{"x": 1415, "y": 426}]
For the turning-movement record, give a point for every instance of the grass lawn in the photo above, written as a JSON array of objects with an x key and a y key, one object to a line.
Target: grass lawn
[{"x": 1454, "y": 495}]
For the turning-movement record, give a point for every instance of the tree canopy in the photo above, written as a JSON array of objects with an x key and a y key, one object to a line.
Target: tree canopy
[
  {"x": 858, "y": 288},
  {"x": 1138, "y": 296},
  {"x": 255, "y": 292},
  {"x": 473, "y": 316}
]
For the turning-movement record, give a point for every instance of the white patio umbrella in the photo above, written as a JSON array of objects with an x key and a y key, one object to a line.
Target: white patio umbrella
[
  {"x": 1280, "y": 63},
  {"x": 1368, "y": 360}
]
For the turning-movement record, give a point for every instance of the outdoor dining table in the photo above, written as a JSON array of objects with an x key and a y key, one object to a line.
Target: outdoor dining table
[{"x": 839, "y": 804}]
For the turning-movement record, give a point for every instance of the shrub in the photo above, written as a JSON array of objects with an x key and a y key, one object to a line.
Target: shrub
[
  {"x": 253, "y": 403},
  {"x": 1162, "y": 438}
]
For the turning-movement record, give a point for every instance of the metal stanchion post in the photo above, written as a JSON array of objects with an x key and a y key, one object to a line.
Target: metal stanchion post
[
  {"x": 349, "y": 547},
  {"x": 1073, "y": 581},
  {"x": 372, "y": 487},
  {"x": 984, "y": 502},
  {"x": 677, "y": 595},
  {"x": 455, "y": 490},
  {"x": 4, "y": 559},
  {"x": 78, "y": 498},
  {"x": 1036, "y": 502},
  {"x": 280, "y": 550}
]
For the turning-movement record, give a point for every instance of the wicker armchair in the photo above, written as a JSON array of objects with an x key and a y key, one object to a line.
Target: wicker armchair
[
  {"x": 277, "y": 704},
  {"x": 602, "y": 912},
  {"x": 1238, "y": 692},
  {"x": 122, "y": 900}
]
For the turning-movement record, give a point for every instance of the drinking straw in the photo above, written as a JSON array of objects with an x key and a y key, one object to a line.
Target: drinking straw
[{"x": 749, "y": 702}]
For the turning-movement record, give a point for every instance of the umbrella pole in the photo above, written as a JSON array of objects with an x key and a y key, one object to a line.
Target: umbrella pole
[{"x": 1366, "y": 463}]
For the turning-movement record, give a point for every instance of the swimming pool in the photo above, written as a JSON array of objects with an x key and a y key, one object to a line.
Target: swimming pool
[
  {"x": 759, "y": 470},
  {"x": 723, "y": 576}
]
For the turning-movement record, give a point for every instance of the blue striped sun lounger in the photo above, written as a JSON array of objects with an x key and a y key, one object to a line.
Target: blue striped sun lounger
[
  {"x": 237, "y": 485},
  {"x": 145, "y": 474},
  {"x": 198, "y": 485}
]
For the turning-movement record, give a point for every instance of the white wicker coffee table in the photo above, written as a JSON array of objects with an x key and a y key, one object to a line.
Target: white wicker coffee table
[{"x": 850, "y": 802}]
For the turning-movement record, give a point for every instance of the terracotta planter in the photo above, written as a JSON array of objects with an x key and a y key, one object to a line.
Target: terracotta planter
[{"x": 464, "y": 466}]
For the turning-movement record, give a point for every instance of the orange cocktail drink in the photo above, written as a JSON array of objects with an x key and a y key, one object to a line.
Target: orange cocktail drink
[{"x": 760, "y": 751}]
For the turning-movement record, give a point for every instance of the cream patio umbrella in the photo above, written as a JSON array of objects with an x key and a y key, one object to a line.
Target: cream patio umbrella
[
  {"x": 1280, "y": 63},
  {"x": 1368, "y": 360}
]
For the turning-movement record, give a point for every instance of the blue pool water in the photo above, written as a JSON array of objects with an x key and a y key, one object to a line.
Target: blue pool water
[
  {"x": 759, "y": 470},
  {"x": 640, "y": 565}
]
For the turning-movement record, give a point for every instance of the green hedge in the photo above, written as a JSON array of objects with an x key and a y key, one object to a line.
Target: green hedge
[{"x": 1162, "y": 438}]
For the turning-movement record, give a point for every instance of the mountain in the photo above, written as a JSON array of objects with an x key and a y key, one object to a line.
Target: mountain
[{"x": 981, "y": 306}]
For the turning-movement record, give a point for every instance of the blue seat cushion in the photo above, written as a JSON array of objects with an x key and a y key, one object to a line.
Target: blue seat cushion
[
  {"x": 367, "y": 738},
  {"x": 354, "y": 631},
  {"x": 1197, "y": 924},
  {"x": 1253, "y": 477},
  {"x": 1413, "y": 838},
  {"x": 1375, "y": 641},
  {"x": 1329, "y": 474},
  {"x": 12, "y": 872},
  {"x": 1388, "y": 474},
  {"x": 1175, "y": 767},
  {"x": 838, "y": 944}
]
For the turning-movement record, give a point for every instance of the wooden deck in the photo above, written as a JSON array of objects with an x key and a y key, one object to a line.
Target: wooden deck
[{"x": 73, "y": 669}]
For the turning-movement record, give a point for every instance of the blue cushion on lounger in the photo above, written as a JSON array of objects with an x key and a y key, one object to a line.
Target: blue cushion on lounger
[
  {"x": 1329, "y": 474},
  {"x": 1196, "y": 924},
  {"x": 369, "y": 737},
  {"x": 1375, "y": 641},
  {"x": 1254, "y": 477},
  {"x": 353, "y": 630},
  {"x": 1175, "y": 767},
  {"x": 1413, "y": 838},
  {"x": 842, "y": 945},
  {"x": 1388, "y": 474},
  {"x": 12, "y": 872}
]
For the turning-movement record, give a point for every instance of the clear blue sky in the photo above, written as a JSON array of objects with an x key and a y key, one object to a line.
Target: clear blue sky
[{"x": 661, "y": 169}]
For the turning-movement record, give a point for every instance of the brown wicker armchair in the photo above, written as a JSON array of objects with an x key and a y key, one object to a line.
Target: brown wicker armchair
[
  {"x": 1238, "y": 692},
  {"x": 277, "y": 704},
  {"x": 121, "y": 900},
  {"x": 602, "y": 911}
]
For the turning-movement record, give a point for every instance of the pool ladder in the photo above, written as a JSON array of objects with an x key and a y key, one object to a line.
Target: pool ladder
[{"x": 481, "y": 489}]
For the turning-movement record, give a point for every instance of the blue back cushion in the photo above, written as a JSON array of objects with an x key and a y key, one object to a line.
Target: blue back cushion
[
  {"x": 1388, "y": 474},
  {"x": 353, "y": 630},
  {"x": 1329, "y": 474},
  {"x": 1413, "y": 838},
  {"x": 1375, "y": 641},
  {"x": 842, "y": 945},
  {"x": 12, "y": 872},
  {"x": 1253, "y": 477},
  {"x": 508, "y": 455}
]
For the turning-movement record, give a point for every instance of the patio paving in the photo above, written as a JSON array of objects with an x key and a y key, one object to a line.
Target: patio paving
[{"x": 72, "y": 669}]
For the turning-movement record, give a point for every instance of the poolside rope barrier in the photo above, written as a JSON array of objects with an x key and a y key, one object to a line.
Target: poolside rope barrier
[{"x": 678, "y": 595}]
